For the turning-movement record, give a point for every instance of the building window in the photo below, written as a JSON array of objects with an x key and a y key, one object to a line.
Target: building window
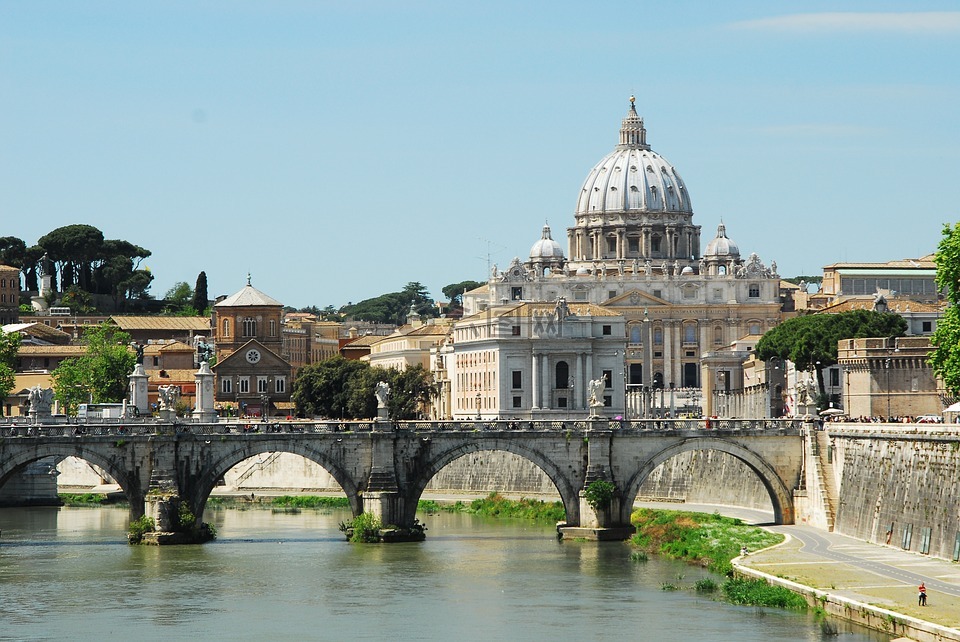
[
  {"x": 226, "y": 386},
  {"x": 516, "y": 293},
  {"x": 635, "y": 334},
  {"x": 580, "y": 295},
  {"x": 611, "y": 244},
  {"x": 658, "y": 294},
  {"x": 562, "y": 375},
  {"x": 517, "y": 377},
  {"x": 261, "y": 384},
  {"x": 517, "y": 402},
  {"x": 718, "y": 335},
  {"x": 226, "y": 327},
  {"x": 607, "y": 400},
  {"x": 273, "y": 327},
  {"x": 243, "y": 385},
  {"x": 515, "y": 331},
  {"x": 689, "y": 333},
  {"x": 928, "y": 326},
  {"x": 608, "y": 378},
  {"x": 280, "y": 384},
  {"x": 658, "y": 336},
  {"x": 607, "y": 330},
  {"x": 561, "y": 402},
  {"x": 611, "y": 294},
  {"x": 633, "y": 244},
  {"x": 717, "y": 294},
  {"x": 834, "y": 376},
  {"x": 156, "y": 362},
  {"x": 655, "y": 244},
  {"x": 249, "y": 327},
  {"x": 754, "y": 291}
]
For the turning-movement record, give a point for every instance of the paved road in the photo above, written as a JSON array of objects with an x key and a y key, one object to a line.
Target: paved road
[{"x": 820, "y": 543}]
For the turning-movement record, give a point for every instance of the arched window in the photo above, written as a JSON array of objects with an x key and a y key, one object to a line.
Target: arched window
[
  {"x": 249, "y": 327},
  {"x": 226, "y": 327},
  {"x": 654, "y": 243},
  {"x": 658, "y": 336},
  {"x": 718, "y": 335},
  {"x": 562, "y": 375},
  {"x": 690, "y": 333},
  {"x": 754, "y": 291},
  {"x": 635, "y": 336}
]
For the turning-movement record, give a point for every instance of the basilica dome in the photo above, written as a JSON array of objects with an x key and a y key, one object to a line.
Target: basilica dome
[
  {"x": 633, "y": 178},
  {"x": 546, "y": 249},
  {"x": 721, "y": 245}
]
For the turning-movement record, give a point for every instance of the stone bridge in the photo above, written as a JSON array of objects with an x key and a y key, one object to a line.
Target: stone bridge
[{"x": 383, "y": 467}]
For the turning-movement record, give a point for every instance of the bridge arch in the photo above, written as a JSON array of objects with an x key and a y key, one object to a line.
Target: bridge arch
[
  {"x": 780, "y": 495},
  {"x": 128, "y": 480},
  {"x": 567, "y": 488},
  {"x": 198, "y": 490}
]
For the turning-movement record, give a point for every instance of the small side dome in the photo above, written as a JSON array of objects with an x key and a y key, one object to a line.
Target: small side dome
[
  {"x": 721, "y": 245},
  {"x": 546, "y": 249}
]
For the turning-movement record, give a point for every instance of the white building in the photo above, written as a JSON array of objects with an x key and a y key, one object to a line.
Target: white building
[
  {"x": 534, "y": 360},
  {"x": 634, "y": 252}
]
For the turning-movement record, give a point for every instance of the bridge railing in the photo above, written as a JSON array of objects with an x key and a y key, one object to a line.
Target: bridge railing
[{"x": 294, "y": 428}]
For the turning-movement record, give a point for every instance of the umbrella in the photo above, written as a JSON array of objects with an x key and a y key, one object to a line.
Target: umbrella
[{"x": 831, "y": 412}]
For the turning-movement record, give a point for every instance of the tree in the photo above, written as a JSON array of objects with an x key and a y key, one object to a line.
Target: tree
[
  {"x": 411, "y": 391},
  {"x": 393, "y": 307},
  {"x": 332, "y": 388},
  {"x": 339, "y": 387},
  {"x": 100, "y": 375},
  {"x": 178, "y": 298},
  {"x": 9, "y": 346},
  {"x": 454, "y": 291},
  {"x": 73, "y": 248},
  {"x": 812, "y": 339},
  {"x": 200, "y": 299},
  {"x": 945, "y": 357}
]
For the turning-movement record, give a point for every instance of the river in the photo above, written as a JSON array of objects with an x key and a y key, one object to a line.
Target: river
[{"x": 68, "y": 573}]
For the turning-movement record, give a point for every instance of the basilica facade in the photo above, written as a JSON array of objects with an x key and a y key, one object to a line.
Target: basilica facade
[{"x": 633, "y": 252}]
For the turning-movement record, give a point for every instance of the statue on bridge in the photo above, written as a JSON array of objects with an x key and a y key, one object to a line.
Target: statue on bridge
[
  {"x": 382, "y": 391},
  {"x": 41, "y": 401},
  {"x": 169, "y": 396},
  {"x": 595, "y": 389}
]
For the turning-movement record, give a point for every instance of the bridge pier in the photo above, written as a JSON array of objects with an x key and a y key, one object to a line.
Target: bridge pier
[{"x": 599, "y": 522}]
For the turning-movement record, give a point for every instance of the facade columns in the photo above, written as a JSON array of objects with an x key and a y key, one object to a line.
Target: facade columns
[
  {"x": 545, "y": 387},
  {"x": 535, "y": 382},
  {"x": 668, "y": 356}
]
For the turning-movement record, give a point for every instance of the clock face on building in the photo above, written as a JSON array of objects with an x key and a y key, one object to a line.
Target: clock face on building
[{"x": 253, "y": 355}]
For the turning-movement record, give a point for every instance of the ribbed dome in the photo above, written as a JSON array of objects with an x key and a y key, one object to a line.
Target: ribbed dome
[
  {"x": 633, "y": 178},
  {"x": 721, "y": 245},
  {"x": 546, "y": 249}
]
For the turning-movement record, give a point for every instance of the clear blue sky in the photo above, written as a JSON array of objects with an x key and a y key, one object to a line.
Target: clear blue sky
[{"x": 338, "y": 150}]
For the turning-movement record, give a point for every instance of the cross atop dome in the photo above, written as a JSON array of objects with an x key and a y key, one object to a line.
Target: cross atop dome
[{"x": 632, "y": 133}]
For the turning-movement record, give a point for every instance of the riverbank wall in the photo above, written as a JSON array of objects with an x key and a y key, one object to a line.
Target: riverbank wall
[{"x": 897, "y": 485}]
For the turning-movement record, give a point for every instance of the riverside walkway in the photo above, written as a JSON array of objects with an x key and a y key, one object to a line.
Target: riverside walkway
[{"x": 869, "y": 583}]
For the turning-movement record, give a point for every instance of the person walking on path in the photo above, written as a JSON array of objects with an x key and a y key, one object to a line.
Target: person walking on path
[{"x": 922, "y": 598}]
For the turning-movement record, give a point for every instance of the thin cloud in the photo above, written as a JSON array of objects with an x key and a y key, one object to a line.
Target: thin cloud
[{"x": 922, "y": 22}]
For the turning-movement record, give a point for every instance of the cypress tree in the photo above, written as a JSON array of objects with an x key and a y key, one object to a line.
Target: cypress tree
[{"x": 200, "y": 301}]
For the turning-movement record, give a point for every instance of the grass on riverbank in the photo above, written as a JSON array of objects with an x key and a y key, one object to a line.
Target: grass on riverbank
[
  {"x": 83, "y": 499},
  {"x": 712, "y": 541},
  {"x": 496, "y": 505}
]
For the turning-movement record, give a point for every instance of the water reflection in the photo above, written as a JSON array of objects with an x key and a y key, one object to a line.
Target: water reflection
[{"x": 67, "y": 574}]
